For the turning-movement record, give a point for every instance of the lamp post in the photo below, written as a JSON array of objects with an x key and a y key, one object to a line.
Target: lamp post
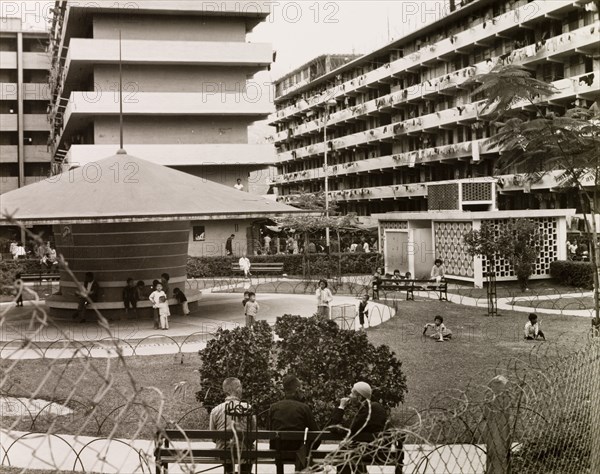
[{"x": 329, "y": 103}]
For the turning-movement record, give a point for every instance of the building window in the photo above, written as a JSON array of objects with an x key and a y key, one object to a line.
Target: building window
[{"x": 199, "y": 233}]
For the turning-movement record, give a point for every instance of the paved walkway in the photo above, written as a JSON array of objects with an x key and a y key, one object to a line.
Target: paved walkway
[{"x": 137, "y": 337}]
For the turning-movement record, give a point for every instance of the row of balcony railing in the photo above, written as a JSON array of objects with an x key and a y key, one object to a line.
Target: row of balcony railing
[
  {"x": 529, "y": 55},
  {"x": 451, "y": 45},
  {"x": 408, "y": 159},
  {"x": 550, "y": 181},
  {"x": 582, "y": 84}
]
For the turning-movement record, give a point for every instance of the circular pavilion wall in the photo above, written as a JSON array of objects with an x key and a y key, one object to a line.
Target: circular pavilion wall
[{"x": 115, "y": 252}]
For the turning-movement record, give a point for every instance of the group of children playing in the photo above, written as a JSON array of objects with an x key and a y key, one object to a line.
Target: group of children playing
[
  {"x": 159, "y": 296},
  {"x": 442, "y": 333}
]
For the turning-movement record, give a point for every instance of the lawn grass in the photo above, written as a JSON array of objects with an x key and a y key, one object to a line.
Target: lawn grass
[
  {"x": 562, "y": 304},
  {"x": 479, "y": 344},
  {"x": 511, "y": 289},
  {"x": 107, "y": 384}
]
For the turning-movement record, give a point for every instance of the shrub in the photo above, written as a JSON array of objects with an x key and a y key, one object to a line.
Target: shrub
[
  {"x": 330, "y": 360},
  {"x": 327, "y": 359},
  {"x": 245, "y": 354},
  {"x": 578, "y": 274},
  {"x": 320, "y": 264},
  {"x": 9, "y": 269}
]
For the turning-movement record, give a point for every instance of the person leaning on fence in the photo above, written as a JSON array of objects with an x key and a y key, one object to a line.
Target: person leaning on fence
[
  {"x": 233, "y": 415},
  {"x": 370, "y": 418},
  {"x": 324, "y": 298},
  {"x": 532, "y": 328},
  {"x": 292, "y": 414}
]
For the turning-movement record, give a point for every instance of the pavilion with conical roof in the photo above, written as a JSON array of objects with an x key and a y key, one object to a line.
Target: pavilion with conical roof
[{"x": 124, "y": 217}]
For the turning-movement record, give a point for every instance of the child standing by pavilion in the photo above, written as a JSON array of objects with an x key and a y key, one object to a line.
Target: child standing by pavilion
[
  {"x": 163, "y": 311},
  {"x": 155, "y": 299}
]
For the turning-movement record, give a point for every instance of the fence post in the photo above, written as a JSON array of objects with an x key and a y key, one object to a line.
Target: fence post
[
  {"x": 496, "y": 432},
  {"x": 595, "y": 406}
]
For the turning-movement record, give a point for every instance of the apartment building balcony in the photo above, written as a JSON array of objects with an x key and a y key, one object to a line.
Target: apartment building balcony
[
  {"x": 31, "y": 122},
  {"x": 456, "y": 44},
  {"x": 469, "y": 150},
  {"x": 179, "y": 154},
  {"x": 584, "y": 86},
  {"x": 32, "y": 154},
  {"x": 85, "y": 53},
  {"x": 70, "y": 16},
  {"x": 566, "y": 44},
  {"x": 36, "y": 61},
  {"x": 92, "y": 104}
]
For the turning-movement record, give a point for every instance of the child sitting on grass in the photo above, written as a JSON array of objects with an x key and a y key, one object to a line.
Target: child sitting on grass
[
  {"x": 532, "y": 329},
  {"x": 441, "y": 333}
]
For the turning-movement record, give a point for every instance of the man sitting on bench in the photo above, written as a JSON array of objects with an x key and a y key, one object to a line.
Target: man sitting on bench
[{"x": 233, "y": 415}]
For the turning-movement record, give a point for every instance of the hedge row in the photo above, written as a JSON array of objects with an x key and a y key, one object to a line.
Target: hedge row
[
  {"x": 578, "y": 274},
  {"x": 313, "y": 264},
  {"x": 10, "y": 268}
]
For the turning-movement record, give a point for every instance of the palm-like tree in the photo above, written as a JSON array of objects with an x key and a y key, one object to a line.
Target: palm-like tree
[{"x": 569, "y": 143}]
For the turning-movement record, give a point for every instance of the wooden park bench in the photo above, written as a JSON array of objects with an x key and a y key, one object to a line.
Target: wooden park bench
[
  {"x": 182, "y": 447},
  {"x": 39, "y": 277},
  {"x": 410, "y": 286},
  {"x": 260, "y": 267}
]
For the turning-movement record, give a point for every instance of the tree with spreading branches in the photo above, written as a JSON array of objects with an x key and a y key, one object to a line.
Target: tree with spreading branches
[{"x": 567, "y": 143}]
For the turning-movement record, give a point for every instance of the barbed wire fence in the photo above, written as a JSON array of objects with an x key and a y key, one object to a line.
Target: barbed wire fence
[{"x": 80, "y": 407}]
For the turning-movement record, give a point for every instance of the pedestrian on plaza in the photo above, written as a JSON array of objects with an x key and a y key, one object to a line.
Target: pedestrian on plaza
[
  {"x": 229, "y": 245},
  {"x": 18, "y": 284},
  {"x": 233, "y": 415},
  {"x": 182, "y": 300},
  {"x": 245, "y": 299},
  {"x": 362, "y": 311},
  {"x": 267, "y": 244},
  {"x": 251, "y": 309},
  {"x": 90, "y": 292},
  {"x": 376, "y": 282},
  {"x": 164, "y": 280},
  {"x": 130, "y": 296},
  {"x": 291, "y": 414},
  {"x": 324, "y": 298},
  {"x": 155, "y": 300},
  {"x": 163, "y": 311},
  {"x": 370, "y": 418}
]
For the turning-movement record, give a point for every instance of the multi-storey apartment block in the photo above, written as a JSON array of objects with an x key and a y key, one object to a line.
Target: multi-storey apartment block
[
  {"x": 187, "y": 95},
  {"x": 24, "y": 94},
  {"x": 403, "y": 126}
]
